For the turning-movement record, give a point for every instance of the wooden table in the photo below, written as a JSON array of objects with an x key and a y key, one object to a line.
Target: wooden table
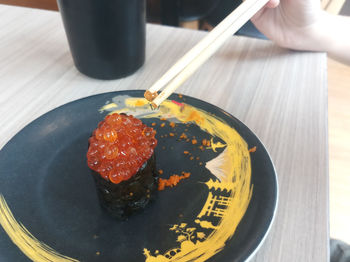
[{"x": 281, "y": 95}]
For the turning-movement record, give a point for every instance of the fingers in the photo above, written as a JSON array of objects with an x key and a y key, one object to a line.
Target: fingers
[{"x": 272, "y": 3}]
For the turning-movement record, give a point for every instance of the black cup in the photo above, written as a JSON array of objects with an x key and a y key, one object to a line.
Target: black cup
[{"x": 106, "y": 37}]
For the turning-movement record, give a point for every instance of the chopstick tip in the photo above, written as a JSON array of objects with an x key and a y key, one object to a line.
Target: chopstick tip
[
  {"x": 150, "y": 96},
  {"x": 153, "y": 106}
]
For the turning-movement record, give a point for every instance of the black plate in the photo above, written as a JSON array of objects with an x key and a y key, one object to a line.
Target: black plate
[{"x": 45, "y": 182}]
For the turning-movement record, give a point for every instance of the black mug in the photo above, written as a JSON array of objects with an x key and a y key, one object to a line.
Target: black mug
[{"x": 106, "y": 37}]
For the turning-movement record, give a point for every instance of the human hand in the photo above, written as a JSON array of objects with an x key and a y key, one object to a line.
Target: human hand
[
  {"x": 303, "y": 25},
  {"x": 290, "y": 23}
]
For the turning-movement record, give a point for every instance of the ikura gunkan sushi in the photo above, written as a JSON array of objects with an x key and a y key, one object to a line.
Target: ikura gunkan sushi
[{"x": 121, "y": 157}]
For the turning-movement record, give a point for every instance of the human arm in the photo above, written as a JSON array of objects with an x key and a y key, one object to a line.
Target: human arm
[{"x": 303, "y": 25}]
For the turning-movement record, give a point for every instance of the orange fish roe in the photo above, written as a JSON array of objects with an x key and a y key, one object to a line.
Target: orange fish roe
[
  {"x": 162, "y": 125},
  {"x": 150, "y": 96},
  {"x": 172, "y": 180},
  {"x": 191, "y": 158},
  {"x": 171, "y": 134},
  {"x": 120, "y": 146},
  {"x": 172, "y": 124},
  {"x": 160, "y": 171},
  {"x": 180, "y": 96},
  {"x": 252, "y": 150},
  {"x": 194, "y": 141},
  {"x": 197, "y": 158},
  {"x": 163, "y": 119},
  {"x": 186, "y": 152},
  {"x": 204, "y": 142},
  {"x": 154, "y": 124},
  {"x": 201, "y": 148},
  {"x": 186, "y": 174},
  {"x": 183, "y": 136}
]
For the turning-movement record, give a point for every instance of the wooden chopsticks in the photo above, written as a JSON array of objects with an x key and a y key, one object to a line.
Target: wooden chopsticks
[{"x": 194, "y": 58}]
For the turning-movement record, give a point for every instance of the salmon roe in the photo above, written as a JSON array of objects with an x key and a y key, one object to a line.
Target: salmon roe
[{"x": 119, "y": 147}]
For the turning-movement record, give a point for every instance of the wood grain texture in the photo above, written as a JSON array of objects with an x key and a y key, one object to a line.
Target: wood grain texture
[
  {"x": 281, "y": 95},
  {"x": 339, "y": 149},
  {"x": 41, "y": 4},
  {"x": 334, "y": 6}
]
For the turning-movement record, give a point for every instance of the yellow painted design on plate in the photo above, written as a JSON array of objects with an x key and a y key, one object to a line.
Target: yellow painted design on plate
[
  {"x": 228, "y": 198},
  {"x": 227, "y": 202},
  {"x": 216, "y": 145},
  {"x": 25, "y": 241},
  {"x": 108, "y": 106}
]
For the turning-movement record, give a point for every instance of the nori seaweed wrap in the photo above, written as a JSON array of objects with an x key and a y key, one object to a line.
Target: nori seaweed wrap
[{"x": 121, "y": 157}]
